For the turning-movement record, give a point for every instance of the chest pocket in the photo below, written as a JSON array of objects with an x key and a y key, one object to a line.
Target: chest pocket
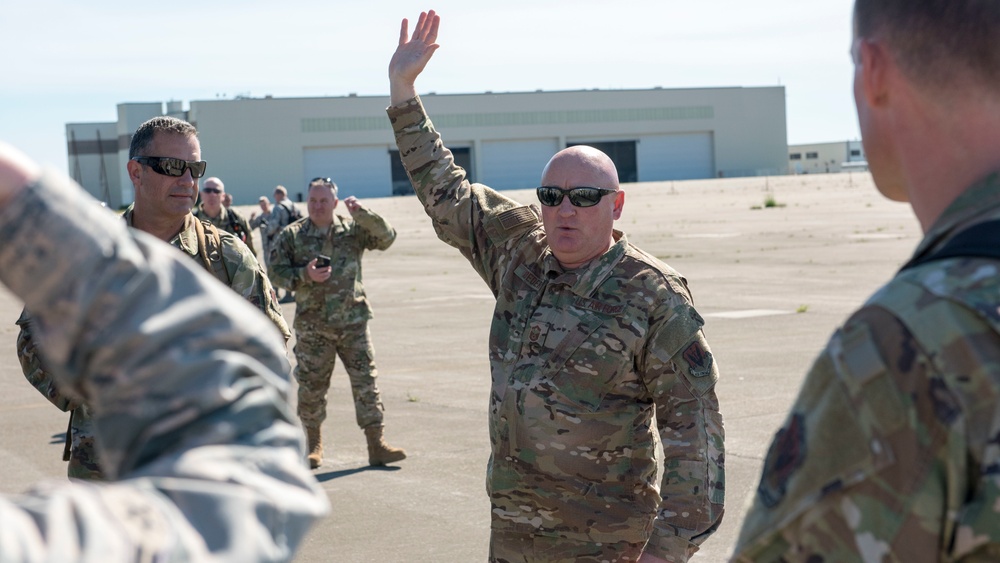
[{"x": 582, "y": 363}]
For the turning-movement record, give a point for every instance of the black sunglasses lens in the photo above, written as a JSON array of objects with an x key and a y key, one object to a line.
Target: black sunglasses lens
[
  {"x": 549, "y": 197},
  {"x": 197, "y": 168},
  {"x": 170, "y": 167},
  {"x": 584, "y": 197}
]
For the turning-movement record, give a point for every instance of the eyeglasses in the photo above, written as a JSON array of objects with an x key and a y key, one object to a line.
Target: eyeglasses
[
  {"x": 580, "y": 197},
  {"x": 320, "y": 179},
  {"x": 173, "y": 166},
  {"x": 211, "y": 190}
]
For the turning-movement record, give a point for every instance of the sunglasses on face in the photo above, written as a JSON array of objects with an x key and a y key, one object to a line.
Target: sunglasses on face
[
  {"x": 173, "y": 166},
  {"x": 211, "y": 190},
  {"x": 580, "y": 197}
]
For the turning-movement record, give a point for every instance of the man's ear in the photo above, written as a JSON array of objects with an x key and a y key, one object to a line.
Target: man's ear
[
  {"x": 134, "y": 172},
  {"x": 619, "y": 204},
  {"x": 875, "y": 62}
]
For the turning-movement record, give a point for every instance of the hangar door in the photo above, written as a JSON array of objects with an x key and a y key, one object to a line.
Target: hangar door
[
  {"x": 686, "y": 156},
  {"x": 511, "y": 165},
  {"x": 357, "y": 171}
]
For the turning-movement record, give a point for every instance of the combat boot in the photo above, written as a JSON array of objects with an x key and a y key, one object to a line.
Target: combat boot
[
  {"x": 314, "y": 443},
  {"x": 380, "y": 453}
]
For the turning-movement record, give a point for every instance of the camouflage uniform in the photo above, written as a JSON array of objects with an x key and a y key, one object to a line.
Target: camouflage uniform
[
  {"x": 190, "y": 388},
  {"x": 270, "y": 225},
  {"x": 890, "y": 452},
  {"x": 231, "y": 221},
  {"x": 582, "y": 361},
  {"x": 237, "y": 267},
  {"x": 331, "y": 318}
]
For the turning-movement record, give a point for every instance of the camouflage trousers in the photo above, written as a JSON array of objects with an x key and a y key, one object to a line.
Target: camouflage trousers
[
  {"x": 316, "y": 354},
  {"x": 512, "y": 547},
  {"x": 83, "y": 462}
]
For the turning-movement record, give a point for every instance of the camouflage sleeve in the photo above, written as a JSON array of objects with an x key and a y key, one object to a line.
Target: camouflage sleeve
[
  {"x": 680, "y": 373},
  {"x": 189, "y": 387},
  {"x": 247, "y": 278},
  {"x": 377, "y": 233},
  {"x": 34, "y": 372},
  {"x": 473, "y": 218},
  {"x": 875, "y": 460},
  {"x": 283, "y": 272}
]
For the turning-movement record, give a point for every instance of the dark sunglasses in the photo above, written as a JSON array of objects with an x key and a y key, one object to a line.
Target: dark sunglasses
[
  {"x": 580, "y": 197},
  {"x": 211, "y": 190},
  {"x": 320, "y": 179},
  {"x": 173, "y": 166}
]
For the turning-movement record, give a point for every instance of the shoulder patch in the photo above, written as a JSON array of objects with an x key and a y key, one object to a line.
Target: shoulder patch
[
  {"x": 784, "y": 458},
  {"x": 699, "y": 359}
]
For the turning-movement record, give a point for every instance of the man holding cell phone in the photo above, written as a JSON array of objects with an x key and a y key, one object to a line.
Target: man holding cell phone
[{"x": 319, "y": 258}]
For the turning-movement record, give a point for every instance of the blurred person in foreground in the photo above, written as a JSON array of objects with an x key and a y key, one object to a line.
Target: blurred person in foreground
[
  {"x": 892, "y": 450},
  {"x": 164, "y": 166},
  {"x": 595, "y": 346},
  {"x": 189, "y": 384}
]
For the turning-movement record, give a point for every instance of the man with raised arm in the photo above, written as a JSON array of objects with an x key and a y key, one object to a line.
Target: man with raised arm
[{"x": 595, "y": 346}]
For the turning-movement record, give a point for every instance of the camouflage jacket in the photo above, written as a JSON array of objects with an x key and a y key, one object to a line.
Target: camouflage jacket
[
  {"x": 581, "y": 362},
  {"x": 269, "y": 224},
  {"x": 245, "y": 274},
  {"x": 242, "y": 272},
  {"x": 191, "y": 388},
  {"x": 890, "y": 452},
  {"x": 340, "y": 300},
  {"x": 231, "y": 221}
]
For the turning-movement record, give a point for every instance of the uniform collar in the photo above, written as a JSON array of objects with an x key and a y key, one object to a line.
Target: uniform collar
[
  {"x": 337, "y": 226},
  {"x": 585, "y": 280},
  {"x": 186, "y": 239},
  {"x": 983, "y": 198}
]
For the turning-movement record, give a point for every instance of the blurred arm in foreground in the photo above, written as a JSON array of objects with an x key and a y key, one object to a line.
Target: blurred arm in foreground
[{"x": 189, "y": 381}]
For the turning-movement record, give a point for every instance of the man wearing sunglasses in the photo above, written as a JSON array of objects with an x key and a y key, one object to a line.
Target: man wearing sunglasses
[
  {"x": 591, "y": 339},
  {"x": 164, "y": 166},
  {"x": 213, "y": 210}
]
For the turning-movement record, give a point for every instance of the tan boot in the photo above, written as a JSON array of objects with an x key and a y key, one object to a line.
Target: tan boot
[
  {"x": 380, "y": 453},
  {"x": 314, "y": 444}
]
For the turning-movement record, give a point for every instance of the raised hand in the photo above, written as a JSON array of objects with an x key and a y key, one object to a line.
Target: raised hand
[{"x": 411, "y": 56}]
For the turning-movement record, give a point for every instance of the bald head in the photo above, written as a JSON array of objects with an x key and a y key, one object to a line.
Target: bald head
[
  {"x": 576, "y": 235},
  {"x": 581, "y": 161}
]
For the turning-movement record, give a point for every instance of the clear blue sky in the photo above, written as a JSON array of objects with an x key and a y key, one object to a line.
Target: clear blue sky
[{"x": 74, "y": 61}]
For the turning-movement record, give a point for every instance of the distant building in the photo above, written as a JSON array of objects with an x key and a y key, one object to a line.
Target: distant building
[
  {"x": 503, "y": 140},
  {"x": 824, "y": 158}
]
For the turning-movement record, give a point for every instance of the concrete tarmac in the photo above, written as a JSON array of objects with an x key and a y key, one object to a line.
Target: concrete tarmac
[{"x": 771, "y": 282}]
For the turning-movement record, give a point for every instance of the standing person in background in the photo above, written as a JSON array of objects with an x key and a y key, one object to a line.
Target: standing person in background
[
  {"x": 213, "y": 210},
  {"x": 319, "y": 257},
  {"x": 591, "y": 340},
  {"x": 890, "y": 452},
  {"x": 268, "y": 224},
  {"x": 286, "y": 213}
]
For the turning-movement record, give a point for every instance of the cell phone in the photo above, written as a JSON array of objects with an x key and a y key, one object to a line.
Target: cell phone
[{"x": 322, "y": 261}]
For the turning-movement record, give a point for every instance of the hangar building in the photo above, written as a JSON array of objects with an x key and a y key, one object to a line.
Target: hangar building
[{"x": 502, "y": 139}]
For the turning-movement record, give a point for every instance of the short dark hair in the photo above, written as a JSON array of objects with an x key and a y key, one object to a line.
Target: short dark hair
[
  {"x": 143, "y": 136},
  {"x": 936, "y": 41}
]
